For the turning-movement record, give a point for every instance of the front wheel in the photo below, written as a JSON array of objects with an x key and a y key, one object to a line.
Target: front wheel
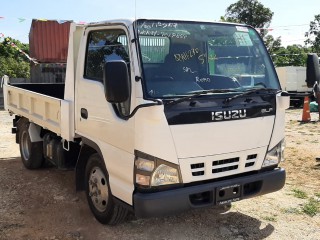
[{"x": 99, "y": 195}]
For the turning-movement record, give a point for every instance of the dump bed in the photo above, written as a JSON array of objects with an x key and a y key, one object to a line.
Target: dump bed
[
  {"x": 35, "y": 102},
  {"x": 50, "y": 105}
]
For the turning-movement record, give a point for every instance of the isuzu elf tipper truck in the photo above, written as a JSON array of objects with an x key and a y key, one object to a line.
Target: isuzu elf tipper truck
[{"x": 157, "y": 117}]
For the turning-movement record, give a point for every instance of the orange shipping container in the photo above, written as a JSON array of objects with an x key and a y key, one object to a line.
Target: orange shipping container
[{"x": 48, "y": 41}]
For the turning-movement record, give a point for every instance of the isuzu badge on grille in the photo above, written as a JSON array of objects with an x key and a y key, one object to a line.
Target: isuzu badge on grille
[{"x": 228, "y": 115}]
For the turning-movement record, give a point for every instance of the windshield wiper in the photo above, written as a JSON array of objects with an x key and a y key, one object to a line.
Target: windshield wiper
[
  {"x": 251, "y": 91},
  {"x": 198, "y": 94}
]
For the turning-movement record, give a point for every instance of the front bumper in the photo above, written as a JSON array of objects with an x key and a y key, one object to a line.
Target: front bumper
[{"x": 216, "y": 193}]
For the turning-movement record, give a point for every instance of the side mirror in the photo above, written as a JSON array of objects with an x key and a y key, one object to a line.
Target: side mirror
[
  {"x": 116, "y": 81},
  {"x": 313, "y": 74}
]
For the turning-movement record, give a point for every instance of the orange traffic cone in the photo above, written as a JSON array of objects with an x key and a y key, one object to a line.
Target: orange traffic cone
[{"x": 306, "y": 117}]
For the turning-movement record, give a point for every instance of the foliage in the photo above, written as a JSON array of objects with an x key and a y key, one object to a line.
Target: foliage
[
  {"x": 299, "y": 193},
  {"x": 270, "y": 218},
  {"x": 273, "y": 45},
  {"x": 250, "y": 12},
  {"x": 293, "y": 55},
  {"x": 13, "y": 68},
  {"x": 253, "y": 13},
  {"x": 12, "y": 62},
  {"x": 314, "y": 34},
  {"x": 311, "y": 208}
]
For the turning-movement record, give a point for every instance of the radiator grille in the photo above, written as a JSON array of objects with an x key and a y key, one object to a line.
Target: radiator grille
[
  {"x": 224, "y": 169},
  {"x": 251, "y": 159},
  {"x": 223, "y": 165},
  {"x": 197, "y": 169},
  {"x": 225, "y": 161}
]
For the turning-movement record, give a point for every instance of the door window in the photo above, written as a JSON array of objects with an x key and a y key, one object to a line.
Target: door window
[{"x": 106, "y": 45}]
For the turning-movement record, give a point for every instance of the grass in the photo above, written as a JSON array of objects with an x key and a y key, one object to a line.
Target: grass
[
  {"x": 270, "y": 218},
  {"x": 291, "y": 210},
  {"x": 299, "y": 193},
  {"x": 311, "y": 208}
]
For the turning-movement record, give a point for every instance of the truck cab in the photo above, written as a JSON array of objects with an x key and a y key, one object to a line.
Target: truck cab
[{"x": 171, "y": 115}]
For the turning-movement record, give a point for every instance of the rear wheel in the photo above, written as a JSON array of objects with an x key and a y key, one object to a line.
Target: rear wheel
[
  {"x": 31, "y": 152},
  {"x": 99, "y": 195}
]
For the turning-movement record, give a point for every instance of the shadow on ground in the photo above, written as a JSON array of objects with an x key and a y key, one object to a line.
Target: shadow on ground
[{"x": 43, "y": 204}]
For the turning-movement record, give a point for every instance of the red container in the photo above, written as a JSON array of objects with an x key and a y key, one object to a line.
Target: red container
[{"x": 48, "y": 41}]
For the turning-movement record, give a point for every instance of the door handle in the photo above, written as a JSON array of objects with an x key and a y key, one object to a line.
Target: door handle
[{"x": 84, "y": 113}]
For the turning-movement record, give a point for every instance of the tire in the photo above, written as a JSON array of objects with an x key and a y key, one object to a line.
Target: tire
[
  {"x": 298, "y": 103},
  {"x": 31, "y": 152},
  {"x": 99, "y": 194}
]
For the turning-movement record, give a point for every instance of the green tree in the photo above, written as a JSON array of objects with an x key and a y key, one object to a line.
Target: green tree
[
  {"x": 273, "y": 45},
  {"x": 280, "y": 57},
  {"x": 293, "y": 55},
  {"x": 313, "y": 34},
  {"x": 250, "y": 12},
  {"x": 298, "y": 55},
  {"x": 12, "y": 62},
  {"x": 13, "y": 68}
]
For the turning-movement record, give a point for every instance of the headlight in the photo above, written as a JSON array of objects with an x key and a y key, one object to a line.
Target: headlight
[
  {"x": 144, "y": 164},
  {"x": 164, "y": 175},
  {"x": 152, "y": 172},
  {"x": 275, "y": 155}
]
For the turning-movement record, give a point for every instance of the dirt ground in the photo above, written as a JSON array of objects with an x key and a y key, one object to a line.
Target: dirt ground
[{"x": 43, "y": 204}]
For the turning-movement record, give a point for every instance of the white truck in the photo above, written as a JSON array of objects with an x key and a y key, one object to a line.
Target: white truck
[
  {"x": 293, "y": 81},
  {"x": 158, "y": 117}
]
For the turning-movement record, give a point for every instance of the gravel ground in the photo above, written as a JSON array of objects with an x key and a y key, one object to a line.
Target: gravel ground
[{"x": 43, "y": 204}]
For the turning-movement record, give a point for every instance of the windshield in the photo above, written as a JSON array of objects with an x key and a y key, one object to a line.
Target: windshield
[{"x": 180, "y": 58}]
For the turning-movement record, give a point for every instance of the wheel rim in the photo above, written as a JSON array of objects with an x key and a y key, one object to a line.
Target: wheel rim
[
  {"x": 98, "y": 189},
  {"x": 25, "y": 146}
]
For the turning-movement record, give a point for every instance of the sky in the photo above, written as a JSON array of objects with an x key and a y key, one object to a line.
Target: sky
[{"x": 291, "y": 18}]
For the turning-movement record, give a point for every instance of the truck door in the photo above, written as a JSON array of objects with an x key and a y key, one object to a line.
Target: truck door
[{"x": 96, "y": 119}]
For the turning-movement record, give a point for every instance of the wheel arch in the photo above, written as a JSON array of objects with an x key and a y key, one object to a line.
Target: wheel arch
[
  {"x": 35, "y": 131},
  {"x": 88, "y": 148}
]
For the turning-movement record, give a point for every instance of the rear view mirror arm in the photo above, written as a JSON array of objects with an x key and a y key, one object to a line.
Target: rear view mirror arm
[{"x": 127, "y": 117}]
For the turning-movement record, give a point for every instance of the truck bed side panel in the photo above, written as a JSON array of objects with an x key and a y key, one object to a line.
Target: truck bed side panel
[
  {"x": 38, "y": 108},
  {"x": 55, "y": 90}
]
